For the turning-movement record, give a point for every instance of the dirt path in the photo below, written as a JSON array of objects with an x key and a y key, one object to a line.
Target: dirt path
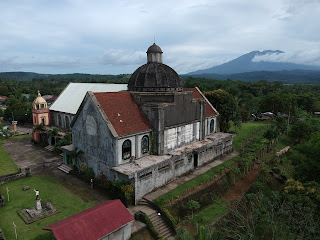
[{"x": 243, "y": 185}]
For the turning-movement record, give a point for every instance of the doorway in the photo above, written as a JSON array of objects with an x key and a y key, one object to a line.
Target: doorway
[{"x": 195, "y": 159}]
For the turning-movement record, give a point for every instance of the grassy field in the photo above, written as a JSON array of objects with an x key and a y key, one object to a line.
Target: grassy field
[
  {"x": 201, "y": 179},
  {"x": 51, "y": 191},
  {"x": 7, "y": 166},
  {"x": 244, "y": 131},
  {"x": 210, "y": 213}
]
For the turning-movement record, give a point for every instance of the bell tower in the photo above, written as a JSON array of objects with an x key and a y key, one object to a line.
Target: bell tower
[{"x": 40, "y": 111}]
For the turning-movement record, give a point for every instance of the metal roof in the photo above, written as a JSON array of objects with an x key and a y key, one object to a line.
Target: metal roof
[
  {"x": 71, "y": 97},
  {"x": 93, "y": 223}
]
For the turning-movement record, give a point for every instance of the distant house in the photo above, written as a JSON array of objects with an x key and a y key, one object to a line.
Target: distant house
[
  {"x": 3, "y": 98},
  {"x": 68, "y": 102},
  {"x": 109, "y": 220}
]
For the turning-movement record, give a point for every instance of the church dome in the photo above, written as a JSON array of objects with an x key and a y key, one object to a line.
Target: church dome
[
  {"x": 39, "y": 99},
  {"x": 155, "y": 76},
  {"x": 154, "y": 48}
]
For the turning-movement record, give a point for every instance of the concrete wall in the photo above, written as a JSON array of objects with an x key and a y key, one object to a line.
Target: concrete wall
[
  {"x": 91, "y": 135},
  {"x": 164, "y": 172},
  {"x": 135, "y": 147},
  {"x": 177, "y": 136},
  {"x": 65, "y": 117},
  {"x": 207, "y": 125},
  {"x": 123, "y": 233}
]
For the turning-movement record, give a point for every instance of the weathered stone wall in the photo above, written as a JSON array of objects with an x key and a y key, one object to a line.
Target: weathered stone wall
[
  {"x": 91, "y": 135},
  {"x": 177, "y": 136},
  {"x": 160, "y": 174},
  {"x": 54, "y": 119}
]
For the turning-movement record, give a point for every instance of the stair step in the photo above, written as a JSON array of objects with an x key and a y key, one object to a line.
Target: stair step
[{"x": 65, "y": 168}]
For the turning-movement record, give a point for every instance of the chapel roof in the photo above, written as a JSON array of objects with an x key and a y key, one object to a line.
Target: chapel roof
[
  {"x": 72, "y": 96},
  {"x": 93, "y": 223},
  {"x": 124, "y": 114},
  {"x": 197, "y": 94}
]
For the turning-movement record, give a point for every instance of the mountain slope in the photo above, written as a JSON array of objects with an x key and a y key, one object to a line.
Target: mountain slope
[{"x": 244, "y": 63}]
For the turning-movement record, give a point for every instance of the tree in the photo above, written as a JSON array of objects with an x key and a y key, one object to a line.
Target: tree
[
  {"x": 54, "y": 132},
  {"x": 227, "y": 107},
  {"x": 192, "y": 205},
  {"x": 306, "y": 159}
]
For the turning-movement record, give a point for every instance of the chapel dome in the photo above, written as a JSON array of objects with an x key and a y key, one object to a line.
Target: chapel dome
[
  {"x": 155, "y": 76},
  {"x": 154, "y": 48},
  {"x": 39, "y": 99}
]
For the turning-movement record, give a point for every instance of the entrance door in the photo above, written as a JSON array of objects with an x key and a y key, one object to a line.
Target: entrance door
[{"x": 195, "y": 159}]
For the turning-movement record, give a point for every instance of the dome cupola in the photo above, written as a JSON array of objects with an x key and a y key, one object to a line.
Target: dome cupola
[
  {"x": 39, "y": 102},
  {"x": 155, "y": 76}
]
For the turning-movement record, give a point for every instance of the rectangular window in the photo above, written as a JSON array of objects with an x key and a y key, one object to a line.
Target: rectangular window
[
  {"x": 166, "y": 167},
  {"x": 146, "y": 175}
]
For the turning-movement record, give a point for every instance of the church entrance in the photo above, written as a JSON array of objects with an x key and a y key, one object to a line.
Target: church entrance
[{"x": 195, "y": 159}]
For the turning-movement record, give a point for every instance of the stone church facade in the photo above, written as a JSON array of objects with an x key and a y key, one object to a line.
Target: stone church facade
[{"x": 150, "y": 134}]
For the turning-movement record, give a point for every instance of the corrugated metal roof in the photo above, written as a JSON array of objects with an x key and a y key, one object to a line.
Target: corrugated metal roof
[
  {"x": 71, "y": 97},
  {"x": 93, "y": 223}
]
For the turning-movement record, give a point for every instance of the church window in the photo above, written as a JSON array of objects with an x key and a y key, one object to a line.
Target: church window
[
  {"x": 43, "y": 121},
  {"x": 212, "y": 126},
  {"x": 67, "y": 122},
  {"x": 59, "y": 120},
  {"x": 126, "y": 150},
  {"x": 145, "y": 144}
]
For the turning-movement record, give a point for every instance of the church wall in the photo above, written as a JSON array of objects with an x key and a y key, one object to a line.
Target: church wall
[
  {"x": 135, "y": 147},
  {"x": 184, "y": 110},
  {"x": 62, "y": 124},
  {"x": 92, "y": 136},
  {"x": 181, "y": 135},
  {"x": 156, "y": 176},
  {"x": 207, "y": 125}
]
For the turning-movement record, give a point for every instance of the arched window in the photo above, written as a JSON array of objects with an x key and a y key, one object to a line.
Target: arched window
[
  {"x": 59, "y": 120},
  {"x": 43, "y": 121},
  {"x": 212, "y": 126},
  {"x": 67, "y": 122},
  {"x": 126, "y": 150},
  {"x": 145, "y": 144}
]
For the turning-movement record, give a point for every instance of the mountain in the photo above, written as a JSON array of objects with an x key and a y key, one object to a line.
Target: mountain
[
  {"x": 292, "y": 76},
  {"x": 245, "y": 63}
]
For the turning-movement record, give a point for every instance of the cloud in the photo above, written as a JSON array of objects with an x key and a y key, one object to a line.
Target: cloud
[
  {"x": 310, "y": 57},
  {"x": 123, "y": 57}
]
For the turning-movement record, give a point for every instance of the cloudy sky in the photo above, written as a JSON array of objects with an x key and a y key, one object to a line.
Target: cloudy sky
[{"x": 112, "y": 36}]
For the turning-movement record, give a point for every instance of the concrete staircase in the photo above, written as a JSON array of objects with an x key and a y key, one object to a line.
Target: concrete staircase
[
  {"x": 64, "y": 168},
  {"x": 50, "y": 148},
  {"x": 157, "y": 220}
]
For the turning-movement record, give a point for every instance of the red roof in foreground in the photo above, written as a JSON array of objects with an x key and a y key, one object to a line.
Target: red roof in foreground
[
  {"x": 210, "y": 111},
  {"x": 124, "y": 114},
  {"x": 93, "y": 223}
]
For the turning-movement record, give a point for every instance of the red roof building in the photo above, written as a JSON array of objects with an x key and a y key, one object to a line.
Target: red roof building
[
  {"x": 124, "y": 114},
  {"x": 109, "y": 218}
]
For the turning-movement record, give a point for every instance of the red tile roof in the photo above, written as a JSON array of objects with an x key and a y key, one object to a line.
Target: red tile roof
[
  {"x": 210, "y": 111},
  {"x": 93, "y": 223},
  {"x": 123, "y": 112}
]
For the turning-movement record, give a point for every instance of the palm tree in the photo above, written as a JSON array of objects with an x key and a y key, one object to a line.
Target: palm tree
[{"x": 54, "y": 132}]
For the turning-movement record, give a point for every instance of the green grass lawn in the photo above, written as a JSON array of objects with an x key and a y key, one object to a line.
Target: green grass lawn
[
  {"x": 51, "y": 191},
  {"x": 183, "y": 189},
  {"x": 244, "y": 131},
  {"x": 210, "y": 213}
]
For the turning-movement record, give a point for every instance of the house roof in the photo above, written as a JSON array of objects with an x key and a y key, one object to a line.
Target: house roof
[
  {"x": 124, "y": 114},
  {"x": 197, "y": 94},
  {"x": 71, "y": 97},
  {"x": 93, "y": 223}
]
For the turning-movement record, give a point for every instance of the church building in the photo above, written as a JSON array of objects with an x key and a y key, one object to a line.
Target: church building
[{"x": 151, "y": 133}]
